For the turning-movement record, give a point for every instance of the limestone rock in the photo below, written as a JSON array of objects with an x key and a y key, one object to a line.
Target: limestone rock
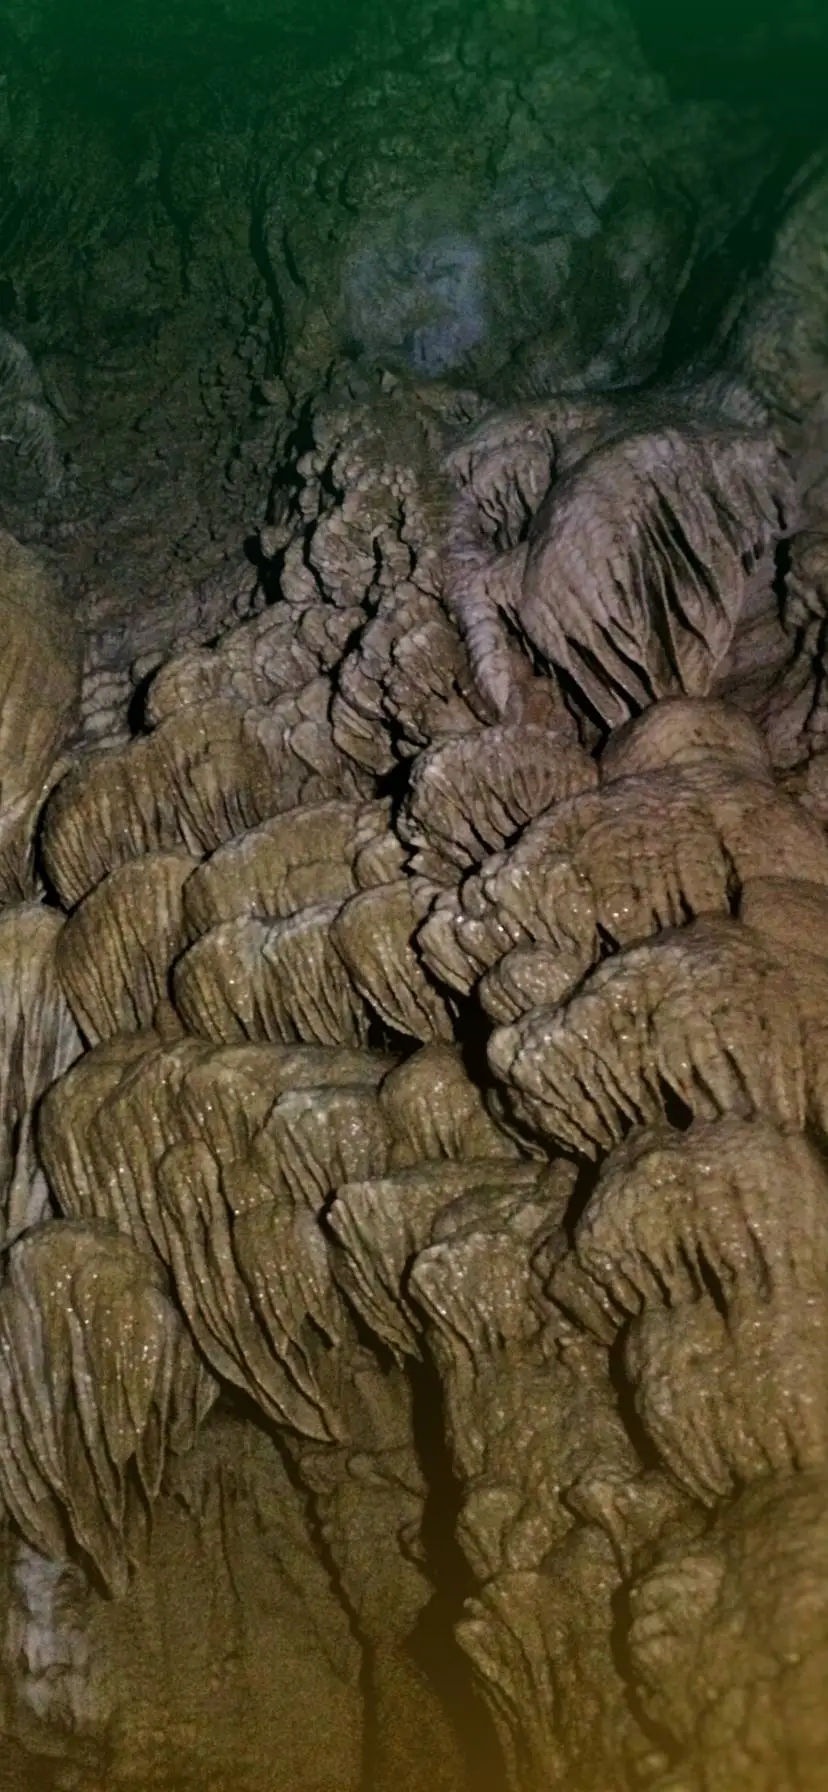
[
  {"x": 99, "y": 1380},
  {"x": 38, "y": 1041},
  {"x": 277, "y": 980},
  {"x": 117, "y": 948},
  {"x": 40, "y": 678}
]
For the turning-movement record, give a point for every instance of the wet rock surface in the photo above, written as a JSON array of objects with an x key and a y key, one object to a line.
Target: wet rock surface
[{"x": 413, "y": 952}]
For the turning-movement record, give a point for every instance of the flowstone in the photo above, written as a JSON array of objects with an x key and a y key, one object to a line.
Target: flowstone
[{"x": 414, "y": 1006}]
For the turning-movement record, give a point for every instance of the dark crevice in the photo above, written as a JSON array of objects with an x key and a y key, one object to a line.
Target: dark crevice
[
  {"x": 239, "y": 1403},
  {"x": 582, "y": 1192},
  {"x": 625, "y": 1402},
  {"x": 179, "y": 220},
  {"x": 657, "y": 1734},
  {"x": 708, "y": 310},
  {"x": 433, "y": 1645},
  {"x": 782, "y": 567},
  {"x": 711, "y": 1282},
  {"x": 677, "y": 1111},
  {"x": 257, "y": 240}
]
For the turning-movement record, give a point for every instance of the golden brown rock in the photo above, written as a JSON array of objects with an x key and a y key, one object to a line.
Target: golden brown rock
[
  {"x": 98, "y": 1379},
  {"x": 533, "y": 1432},
  {"x": 374, "y": 936},
  {"x": 278, "y": 980},
  {"x": 272, "y": 656},
  {"x": 40, "y": 681},
  {"x": 105, "y": 1127},
  {"x": 380, "y": 1226},
  {"x": 228, "y": 1095},
  {"x": 724, "y": 1286},
  {"x": 501, "y": 474},
  {"x": 729, "y": 1641},
  {"x": 407, "y": 676},
  {"x": 312, "y": 1141},
  {"x": 290, "y": 862},
  {"x": 661, "y": 848},
  {"x": 123, "y": 1127},
  {"x": 38, "y": 1040},
  {"x": 253, "y": 1624},
  {"x": 515, "y": 1390},
  {"x": 469, "y": 797},
  {"x": 679, "y": 731},
  {"x": 253, "y": 1279},
  {"x": 65, "y": 1140},
  {"x": 379, "y": 856},
  {"x": 434, "y": 1111},
  {"x": 635, "y": 570},
  {"x": 531, "y": 896},
  {"x": 197, "y": 780},
  {"x": 206, "y": 774},
  {"x": 641, "y": 854},
  {"x": 117, "y": 948},
  {"x": 789, "y": 911},
  {"x": 705, "y": 1015},
  {"x": 527, "y": 977}
]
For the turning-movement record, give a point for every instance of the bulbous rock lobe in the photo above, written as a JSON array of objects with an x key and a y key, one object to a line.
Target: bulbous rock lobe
[
  {"x": 278, "y": 980},
  {"x": 706, "y": 1013},
  {"x": 38, "y": 1041},
  {"x": 636, "y": 562},
  {"x": 288, "y": 863},
  {"x": 469, "y": 797},
  {"x": 98, "y": 1380},
  {"x": 117, "y": 948},
  {"x": 724, "y": 1282},
  {"x": 207, "y": 773},
  {"x": 40, "y": 681},
  {"x": 374, "y": 934}
]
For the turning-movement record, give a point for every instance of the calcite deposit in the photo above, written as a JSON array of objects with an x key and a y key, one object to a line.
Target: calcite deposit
[{"x": 414, "y": 967}]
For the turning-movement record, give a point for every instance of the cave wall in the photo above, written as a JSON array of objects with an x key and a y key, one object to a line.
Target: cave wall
[{"x": 413, "y": 876}]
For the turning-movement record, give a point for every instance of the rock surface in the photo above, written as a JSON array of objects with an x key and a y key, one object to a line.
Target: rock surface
[{"x": 413, "y": 922}]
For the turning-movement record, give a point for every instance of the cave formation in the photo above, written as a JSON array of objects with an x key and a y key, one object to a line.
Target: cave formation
[{"x": 413, "y": 910}]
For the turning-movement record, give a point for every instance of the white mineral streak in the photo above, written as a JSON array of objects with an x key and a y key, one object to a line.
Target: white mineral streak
[{"x": 47, "y": 1654}]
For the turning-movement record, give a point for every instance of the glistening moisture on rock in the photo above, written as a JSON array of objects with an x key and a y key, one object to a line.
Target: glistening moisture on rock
[{"x": 413, "y": 900}]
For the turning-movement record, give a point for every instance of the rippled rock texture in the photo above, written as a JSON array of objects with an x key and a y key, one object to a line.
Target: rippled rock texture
[
  {"x": 414, "y": 980},
  {"x": 201, "y": 213}
]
